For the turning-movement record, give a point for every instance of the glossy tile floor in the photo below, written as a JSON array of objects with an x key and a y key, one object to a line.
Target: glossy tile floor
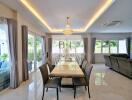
[{"x": 105, "y": 84}]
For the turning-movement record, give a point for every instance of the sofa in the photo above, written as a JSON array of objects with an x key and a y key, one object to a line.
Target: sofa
[
  {"x": 107, "y": 60},
  {"x": 120, "y": 63},
  {"x": 125, "y": 66}
]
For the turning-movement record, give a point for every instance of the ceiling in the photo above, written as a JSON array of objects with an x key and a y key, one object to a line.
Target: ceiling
[{"x": 54, "y": 12}]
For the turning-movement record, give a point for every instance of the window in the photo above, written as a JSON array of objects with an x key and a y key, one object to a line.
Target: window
[
  {"x": 113, "y": 46},
  {"x": 38, "y": 46},
  {"x": 34, "y": 51},
  {"x": 122, "y": 46},
  {"x": 110, "y": 46},
  {"x": 56, "y": 46},
  {"x": 72, "y": 46},
  {"x": 98, "y": 46},
  {"x": 31, "y": 52},
  {"x": 105, "y": 47},
  {"x": 4, "y": 57}
]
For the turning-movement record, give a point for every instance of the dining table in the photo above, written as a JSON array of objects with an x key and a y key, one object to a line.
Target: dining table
[{"x": 67, "y": 68}]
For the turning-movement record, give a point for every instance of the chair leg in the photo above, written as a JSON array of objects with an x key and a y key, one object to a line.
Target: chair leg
[
  {"x": 85, "y": 88},
  {"x": 47, "y": 90},
  {"x": 60, "y": 88},
  {"x": 60, "y": 84},
  {"x": 43, "y": 92},
  {"x": 57, "y": 93},
  {"x": 74, "y": 91},
  {"x": 89, "y": 92}
]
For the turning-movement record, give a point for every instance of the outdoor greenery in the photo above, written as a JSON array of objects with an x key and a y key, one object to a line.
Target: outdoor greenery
[
  {"x": 73, "y": 45},
  {"x": 4, "y": 57},
  {"x": 37, "y": 44},
  {"x": 106, "y": 46}
]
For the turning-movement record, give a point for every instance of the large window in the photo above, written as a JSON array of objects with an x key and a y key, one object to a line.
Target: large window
[
  {"x": 110, "y": 46},
  {"x": 105, "y": 47},
  {"x": 4, "y": 57},
  {"x": 71, "y": 46},
  {"x": 38, "y": 46},
  {"x": 113, "y": 46},
  {"x": 122, "y": 46},
  {"x": 34, "y": 51},
  {"x": 98, "y": 46},
  {"x": 31, "y": 53}
]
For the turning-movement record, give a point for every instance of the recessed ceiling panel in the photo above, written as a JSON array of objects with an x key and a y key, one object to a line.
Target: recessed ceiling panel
[{"x": 55, "y": 11}]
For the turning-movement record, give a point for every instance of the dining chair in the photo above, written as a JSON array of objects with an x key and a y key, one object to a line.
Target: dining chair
[
  {"x": 50, "y": 67},
  {"x": 83, "y": 81},
  {"x": 85, "y": 62},
  {"x": 47, "y": 82}
]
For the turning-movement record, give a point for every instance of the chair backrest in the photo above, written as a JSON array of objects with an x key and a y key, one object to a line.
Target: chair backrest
[
  {"x": 87, "y": 73},
  {"x": 50, "y": 65},
  {"x": 84, "y": 63},
  {"x": 44, "y": 73}
]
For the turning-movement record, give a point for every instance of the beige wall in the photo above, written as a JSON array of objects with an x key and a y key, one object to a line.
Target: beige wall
[
  {"x": 21, "y": 20},
  {"x": 6, "y": 12}
]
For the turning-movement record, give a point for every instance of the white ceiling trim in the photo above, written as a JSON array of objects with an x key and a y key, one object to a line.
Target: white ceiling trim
[{"x": 106, "y": 5}]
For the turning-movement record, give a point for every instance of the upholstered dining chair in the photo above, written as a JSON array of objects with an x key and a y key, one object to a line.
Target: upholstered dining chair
[
  {"x": 47, "y": 82},
  {"x": 84, "y": 81},
  {"x": 50, "y": 67}
]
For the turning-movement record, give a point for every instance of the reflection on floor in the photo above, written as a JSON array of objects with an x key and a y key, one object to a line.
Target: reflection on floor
[{"x": 104, "y": 85}]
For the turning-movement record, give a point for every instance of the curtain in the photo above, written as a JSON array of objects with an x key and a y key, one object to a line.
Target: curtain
[
  {"x": 43, "y": 50},
  {"x": 85, "y": 42},
  {"x": 12, "y": 37},
  {"x": 93, "y": 40},
  {"x": 25, "y": 75},
  {"x": 50, "y": 49},
  {"x": 128, "y": 45}
]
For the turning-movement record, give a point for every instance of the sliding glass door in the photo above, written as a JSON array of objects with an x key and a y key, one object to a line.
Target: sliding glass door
[
  {"x": 4, "y": 57},
  {"x": 34, "y": 52},
  {"x": 31, "y": 53},
  {"x": 38, "y": 47}
]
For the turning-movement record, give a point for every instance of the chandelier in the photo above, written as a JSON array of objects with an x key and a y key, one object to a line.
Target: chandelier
[{"x": 68, "y": 30}]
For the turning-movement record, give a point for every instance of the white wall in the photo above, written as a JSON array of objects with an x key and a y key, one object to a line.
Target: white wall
[{"x": 21, "y": 20}]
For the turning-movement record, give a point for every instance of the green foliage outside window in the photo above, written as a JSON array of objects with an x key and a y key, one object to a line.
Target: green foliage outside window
[
  {"x": 106, "y": 46},
  {"x": 4, "y": 57}
]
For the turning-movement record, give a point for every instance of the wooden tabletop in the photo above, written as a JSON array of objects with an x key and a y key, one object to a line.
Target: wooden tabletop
[{"x": 67, "y": 69}]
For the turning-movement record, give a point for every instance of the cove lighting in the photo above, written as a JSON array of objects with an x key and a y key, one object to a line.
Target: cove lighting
[{"x": 106, "y": 5}]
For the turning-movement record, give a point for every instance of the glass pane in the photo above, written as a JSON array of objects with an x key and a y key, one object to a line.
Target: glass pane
[
  {"x": 113, "y": 46},
  {"x": 55, "y": 46},
  {"x": 80, "y": 47},
  {"x": 30, "y": 53},
  {"x": 4, "y": 57},
  {"x": 105, "y": 47},
  {"x": 98, "y": 46},
  {"x": 122, "y": 46},
  {"x": 38, "y": 46},
  {"x": 69, "y": 46}
]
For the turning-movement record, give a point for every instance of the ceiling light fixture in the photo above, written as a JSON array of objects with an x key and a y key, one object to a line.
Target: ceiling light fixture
[
  {"x": 103, "y": 8},
  {"x": 68, "y": 30}
]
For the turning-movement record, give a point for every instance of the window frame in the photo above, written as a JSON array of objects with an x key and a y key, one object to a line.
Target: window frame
[{"x": 109, "y": 46}]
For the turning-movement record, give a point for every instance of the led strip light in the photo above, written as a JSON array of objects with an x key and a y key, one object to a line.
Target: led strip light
[{"x": 106, "y": 5}]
